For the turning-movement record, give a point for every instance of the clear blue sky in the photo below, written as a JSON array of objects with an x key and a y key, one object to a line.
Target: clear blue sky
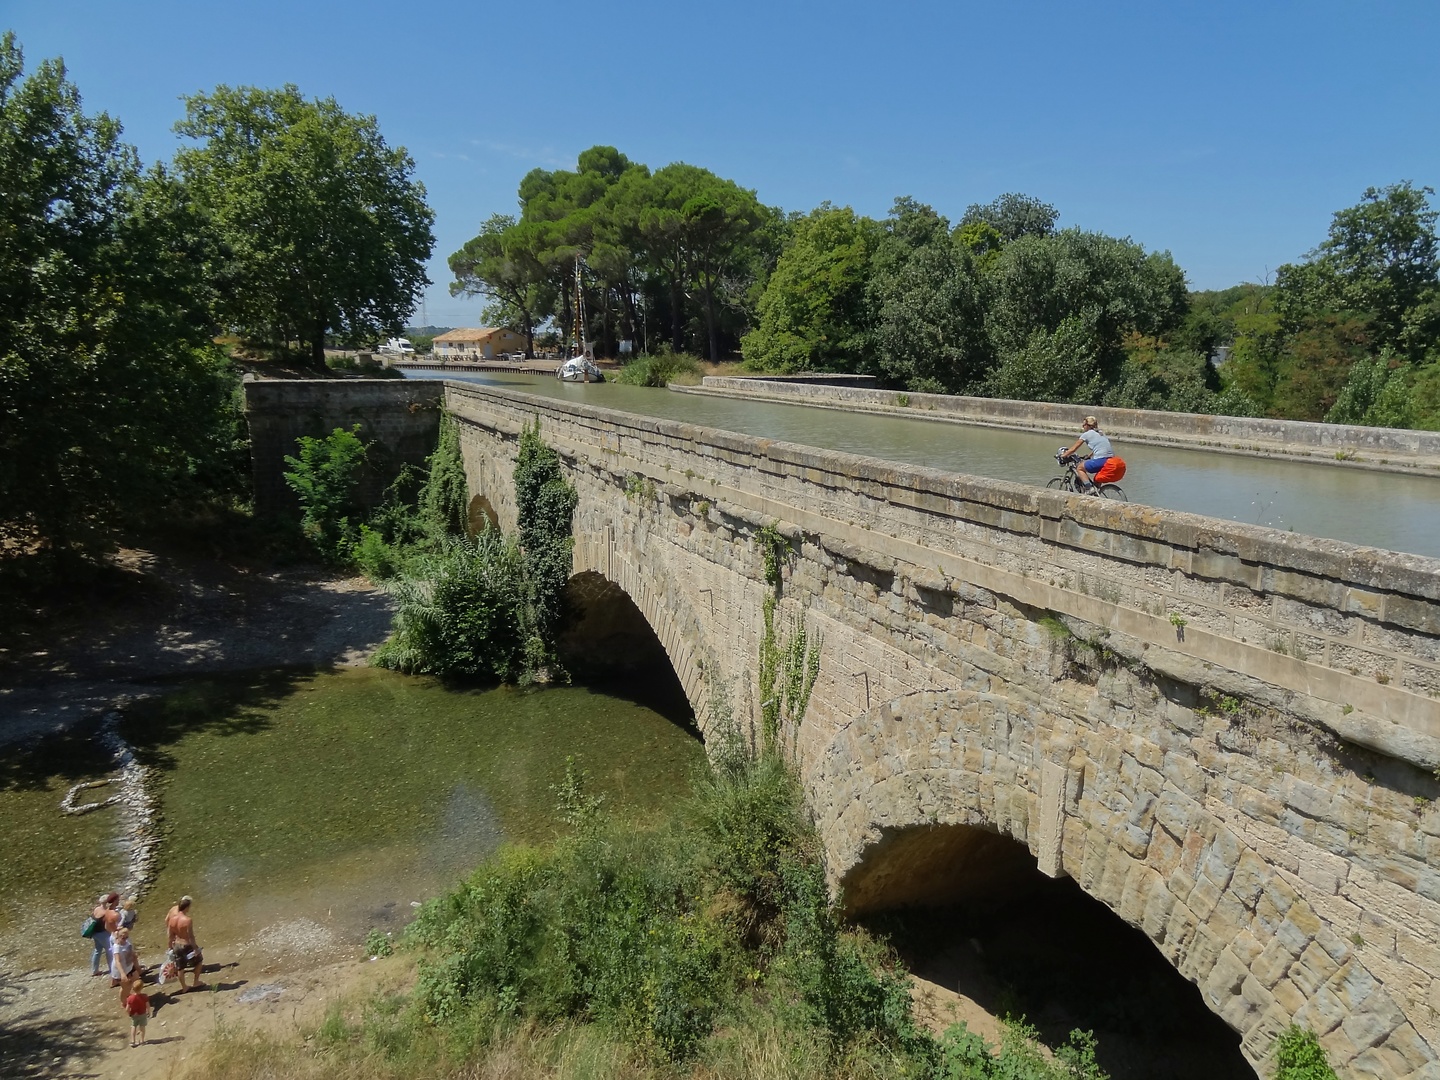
[{"x": 1225, "y": 132}]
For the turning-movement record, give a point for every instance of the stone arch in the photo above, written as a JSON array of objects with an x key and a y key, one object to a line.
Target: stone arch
[
  {"x": 675, "y": 626},
  {"x": 480, "y": 515},
  {"x": 1164, "y": 860},
  {"x": 489, "y": 481}
]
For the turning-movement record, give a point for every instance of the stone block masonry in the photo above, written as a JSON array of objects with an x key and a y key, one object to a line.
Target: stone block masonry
[
  {"x": 1227, "y": 734},
  {"x": 401, "y": 417}
]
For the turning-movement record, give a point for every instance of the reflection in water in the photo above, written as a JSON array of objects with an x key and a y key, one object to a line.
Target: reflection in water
[
  {"x": 1383, "y": 510},
  {"x": 469, "y": 830}
]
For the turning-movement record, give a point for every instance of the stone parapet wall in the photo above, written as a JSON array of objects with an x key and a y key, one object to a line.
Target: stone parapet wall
[
  {"x": 1387, "y": 449},
  {"x": 1227, "y": 734},
  {"x": 402, "y": 419},
  {"x": 1355, "y": 630}
]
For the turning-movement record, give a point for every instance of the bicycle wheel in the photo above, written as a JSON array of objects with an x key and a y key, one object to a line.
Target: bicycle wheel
[
  {"x": 1058, "y": 484},
  {"x": 1113, "y": 491}
]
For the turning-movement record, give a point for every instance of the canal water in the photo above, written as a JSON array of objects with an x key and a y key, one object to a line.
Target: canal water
[
  {"x": 303, "y": 810},
  {"x": 1384, "y": 510}
]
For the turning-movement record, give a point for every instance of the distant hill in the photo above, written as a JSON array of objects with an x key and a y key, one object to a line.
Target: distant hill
[{"x": 427, "y": 331}]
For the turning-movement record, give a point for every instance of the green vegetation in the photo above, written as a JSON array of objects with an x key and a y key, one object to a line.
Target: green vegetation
[
  {"x": 115, "y": 407},
  {"x": 788, "y": 666},
  {"x": 678, "y": 247},
  {"x": 661, "y": 369},
  {"x": 324, "y": 478},
  {"x": 460, "y": 611},
  {"x": 705, "y": 945},
  {"x": 487, "y": 606},
  {"x": 1298, "y": 1056},
  {"x": 812, "y": 314},
  {"x": 318, "y": 225},
  {"x": 378, "y": 943},
  {"x": 1352, "y": 334},
  {"x": 545, "y": 509},
  {"x": 287, "y": 220}
]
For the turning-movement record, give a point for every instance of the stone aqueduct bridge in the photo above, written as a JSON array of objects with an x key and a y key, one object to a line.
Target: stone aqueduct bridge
[{"x": 1228, "y": 735}]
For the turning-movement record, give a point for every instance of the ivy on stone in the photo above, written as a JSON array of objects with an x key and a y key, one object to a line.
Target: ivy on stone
[{"x": 545, "y": 510}]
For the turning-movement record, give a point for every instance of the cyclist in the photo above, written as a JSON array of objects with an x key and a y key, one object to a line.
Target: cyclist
[{"x": 1102, "y": 457}]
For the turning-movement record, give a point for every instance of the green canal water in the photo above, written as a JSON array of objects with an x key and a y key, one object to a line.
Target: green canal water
[{"x": 301, "y": 810}]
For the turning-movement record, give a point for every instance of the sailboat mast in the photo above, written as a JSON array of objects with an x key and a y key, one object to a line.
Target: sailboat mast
[{"x": 579, "y": 310}]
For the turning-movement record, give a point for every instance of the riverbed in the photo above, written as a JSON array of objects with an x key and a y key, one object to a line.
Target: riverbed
[{"x": 303, "y": 810}]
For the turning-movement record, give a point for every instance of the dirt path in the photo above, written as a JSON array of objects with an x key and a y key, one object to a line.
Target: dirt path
[{"x": 156, "y": 616}]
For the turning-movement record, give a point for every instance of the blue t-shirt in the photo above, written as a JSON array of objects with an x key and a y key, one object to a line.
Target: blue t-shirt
[{"x": 1099, "y": 445}]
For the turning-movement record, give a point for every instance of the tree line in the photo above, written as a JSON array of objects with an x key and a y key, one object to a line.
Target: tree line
[
  {"x": 669, "y": 256},
  {"x": 286, "y": 222},
  {"x": 282, "y": 221},
  {"x": 1002, "y": 302}
]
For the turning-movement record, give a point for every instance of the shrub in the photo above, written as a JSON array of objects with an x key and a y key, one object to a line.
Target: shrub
[
  {"x": 444, "y": 499},
  {"x": 488, "y": 607},
  {"x": 751, "y": 817},
  {"x": 1298, "y": 1056},
  {"x": 377, "y": 943},
  {"x": 660, "y": 369},
  {"x": 545, "y": 511},
  {"x": 324, "y": 478},
  {"x": 459, "y": 612},
  {"x": 602, "y": 926},
  {"x": 848, "y": 987},
  {"x": 960, "y": 1054},
  {"x": 373, "y": 557}
]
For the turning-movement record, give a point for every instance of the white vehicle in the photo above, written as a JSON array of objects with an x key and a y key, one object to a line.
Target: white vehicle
[{"x": 397, "y": 346}]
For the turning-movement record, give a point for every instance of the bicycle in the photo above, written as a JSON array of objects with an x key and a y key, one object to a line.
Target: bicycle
[{"x": 1067, "y": 481}]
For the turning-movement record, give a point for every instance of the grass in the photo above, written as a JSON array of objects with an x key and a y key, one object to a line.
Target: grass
[
  {"x": 660, "y": 369},
  {"x": 705, "y": 946}
]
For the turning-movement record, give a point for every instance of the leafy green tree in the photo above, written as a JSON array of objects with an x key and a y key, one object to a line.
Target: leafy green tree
[
  {"x": 1377, "y": 393},
  {"x": 1381, "y": 259},
  {"x": 325, "y": 477},
  {"x": 1063, "y": 306},
  {"x": 698, "y": 229},
  {"x": 1012, "y": 216},
  {"x": 501, "y": 263},
  {"x": 928, "y": 301},
  {"x": 720, "y": 219},
  {"x": 813, "y": 314},
  {"x": 113, "y": 402},
  {"x": 323, "y": 226}
]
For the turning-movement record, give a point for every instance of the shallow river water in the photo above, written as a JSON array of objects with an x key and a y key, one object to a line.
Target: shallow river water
[
  {"x": 1386, "y": 510},
  {"x": 303, "y": 810}
]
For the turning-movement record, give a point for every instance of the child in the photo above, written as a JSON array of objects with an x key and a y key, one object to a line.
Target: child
[{"x": 138, "y": 1006}]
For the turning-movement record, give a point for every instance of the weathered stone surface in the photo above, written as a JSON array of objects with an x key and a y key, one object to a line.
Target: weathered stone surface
[{"x": 1252, "y": 811}]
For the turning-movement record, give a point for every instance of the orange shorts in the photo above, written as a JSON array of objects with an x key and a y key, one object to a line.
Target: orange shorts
[{"x": 1111, "y": 471}]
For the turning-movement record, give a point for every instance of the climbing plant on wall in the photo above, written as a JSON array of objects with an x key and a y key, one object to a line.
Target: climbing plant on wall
[
  {"x": 487, "y": 606},
  {"x": 789, "y": 665},
  {"x": 545, "y": 509}
]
